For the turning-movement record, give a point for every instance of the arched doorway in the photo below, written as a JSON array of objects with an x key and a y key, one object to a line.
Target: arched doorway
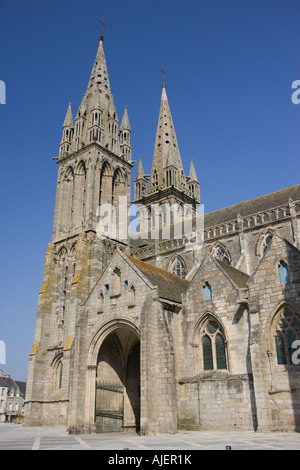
[{"x": 117, "y": 398}]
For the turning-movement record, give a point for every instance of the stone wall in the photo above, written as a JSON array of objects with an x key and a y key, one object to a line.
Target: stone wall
[{"x": 214, "y": 400}]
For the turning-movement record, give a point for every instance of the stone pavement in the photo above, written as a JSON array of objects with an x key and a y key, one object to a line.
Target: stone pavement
[{"x": 16, "y": 437}]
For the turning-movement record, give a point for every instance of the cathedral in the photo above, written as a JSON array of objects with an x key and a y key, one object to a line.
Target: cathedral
[{"x": 190, "y": 321}]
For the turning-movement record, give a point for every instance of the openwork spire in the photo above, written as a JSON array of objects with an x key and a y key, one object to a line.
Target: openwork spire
[{"x": 166, "y": 151}]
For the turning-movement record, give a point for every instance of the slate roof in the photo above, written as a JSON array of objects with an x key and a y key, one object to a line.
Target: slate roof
[
  {"x": 22, "y": 387},
  {"x": 170, "y": 286},
  {"x": 7, "y": 382},
  {"x": 259, "y": 204},
  {"x": 238, "y": 277}
]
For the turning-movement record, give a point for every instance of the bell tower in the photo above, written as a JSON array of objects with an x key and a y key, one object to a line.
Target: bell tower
[
  {"x": 94, "y": 170},
  {"x": 95, "y": 157}
]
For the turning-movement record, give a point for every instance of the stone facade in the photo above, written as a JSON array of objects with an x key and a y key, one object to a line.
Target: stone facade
[{"x": 197, "y": 331}]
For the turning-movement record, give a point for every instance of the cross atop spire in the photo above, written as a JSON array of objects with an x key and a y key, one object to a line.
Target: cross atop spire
[
  {"x": 102, "y": 24},
  {"x": 163, "y": 77}
]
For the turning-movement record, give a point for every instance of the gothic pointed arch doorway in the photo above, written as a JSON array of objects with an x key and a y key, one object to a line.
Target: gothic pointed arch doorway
[{"x": 117, "y": 394}]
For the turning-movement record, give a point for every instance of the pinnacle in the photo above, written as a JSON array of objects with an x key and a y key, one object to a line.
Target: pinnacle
[
  {"x": 192, "y": 174},
  {"x": 140, "y": 172},
  {"x": 125, "y": 121},
  {"x": 68, "y": 122}
]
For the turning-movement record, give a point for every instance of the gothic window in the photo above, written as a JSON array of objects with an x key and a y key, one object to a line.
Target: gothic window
[
  {"x": 287, "y": 332},
  {"x": 73, "y": 259},
  {"x": 67, "y": 198},
  {"x": 207, "y": 291},
  {"x": 283, "y": 273},
  {"x": 213, "y": 346},
  {"x": 178, "y": 267},
  {"x": 57, "y": 373},
  {"x": 105, "y": 194},
  {"x": 266, "y": 242},
  {"x": 221, "y": 253}
]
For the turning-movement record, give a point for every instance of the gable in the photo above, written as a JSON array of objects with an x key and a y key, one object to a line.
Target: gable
[
  {"x": 219, "y": 275},
  {"x": 279, "y": 249}
]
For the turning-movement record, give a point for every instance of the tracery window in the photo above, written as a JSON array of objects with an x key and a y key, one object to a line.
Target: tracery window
[
  {"x": 220, "y": 252},
  {"x": 213, "y": 346},
  {"x": 266, "y": 242},
  {"x": 287, "y": 332},
  {"x": 178, "y": 267}
]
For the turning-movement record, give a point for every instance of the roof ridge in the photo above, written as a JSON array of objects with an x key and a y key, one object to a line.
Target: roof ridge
[{"x": 253, "y": 199}]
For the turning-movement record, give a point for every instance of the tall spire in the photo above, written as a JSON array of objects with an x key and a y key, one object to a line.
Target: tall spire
[
  {"x": 166, "y": 151},
  {"x": 96, "y": 120},
  {"x": 99, "y": 81}
]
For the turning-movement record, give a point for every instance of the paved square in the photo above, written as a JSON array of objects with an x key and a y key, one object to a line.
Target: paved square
[{"x": 17, "y": 437}]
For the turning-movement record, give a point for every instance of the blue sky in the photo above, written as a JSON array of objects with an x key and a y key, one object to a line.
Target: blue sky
[{"x": 229, "y": 69}]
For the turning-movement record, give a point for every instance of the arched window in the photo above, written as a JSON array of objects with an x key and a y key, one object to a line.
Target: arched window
[
  {"x": 207, "y": 291},
  {"x": 178, "y": 267},
  {"x": 287, "y": 332},
  {"x": 213, "y": 346},
  {"x": 57, "y": 372},
  {"x": 266, "y": 242},
  {"x": 80, "y": 194},
  {"x": 283, "y": 273},
  {"x": 221, "y": 253}
]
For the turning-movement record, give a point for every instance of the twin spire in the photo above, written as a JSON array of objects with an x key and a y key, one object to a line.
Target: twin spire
[{"x": 97, "y": 121}]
